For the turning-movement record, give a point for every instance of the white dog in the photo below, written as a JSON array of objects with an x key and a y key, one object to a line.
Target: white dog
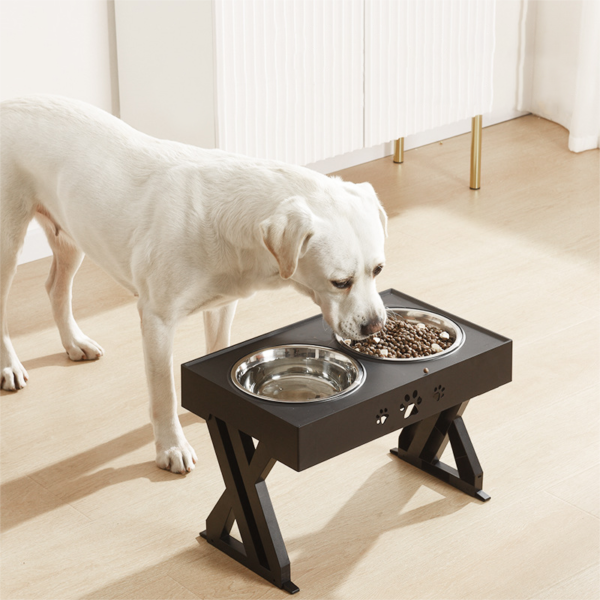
[{"x": 182, "y": 228}]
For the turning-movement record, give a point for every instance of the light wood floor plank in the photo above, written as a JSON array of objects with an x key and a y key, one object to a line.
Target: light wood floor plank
[
  {"x": 583, "y": 586},
  {"x": 581, "y": 489},
  {"x": 164, "y": 588}
]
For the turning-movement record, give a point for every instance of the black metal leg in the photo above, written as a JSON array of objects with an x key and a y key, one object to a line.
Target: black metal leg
[
  {"x": 246, "y": 501},
  {"x": 422, "y": 443}
]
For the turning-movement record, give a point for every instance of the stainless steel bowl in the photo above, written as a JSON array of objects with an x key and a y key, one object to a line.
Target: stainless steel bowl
[
  {"x": 298, "y": 373},
  {"x": 414, "y": 316}
]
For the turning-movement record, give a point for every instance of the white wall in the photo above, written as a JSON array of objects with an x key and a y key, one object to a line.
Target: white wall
[
  {"x": 165, "y": 58},
  {"x": 55, "y": 46},
  {"x": 558, "y": 24},
  {"x": 58, "y": 47}
]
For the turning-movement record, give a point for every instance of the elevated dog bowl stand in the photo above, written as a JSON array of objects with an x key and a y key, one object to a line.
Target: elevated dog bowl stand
[{"x": 250, "y": 435}]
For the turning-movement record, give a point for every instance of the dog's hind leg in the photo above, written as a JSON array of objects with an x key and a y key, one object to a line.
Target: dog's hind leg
[
  {"x": 13, "y": 228},
  {"x": 217, "y": 327},
  {"x": 65, "y": 263}
]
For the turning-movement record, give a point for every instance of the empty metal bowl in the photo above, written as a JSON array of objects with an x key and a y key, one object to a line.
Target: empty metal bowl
[
  {"x": 297, "y": 373},
  {"x": 414, "y": 316}
]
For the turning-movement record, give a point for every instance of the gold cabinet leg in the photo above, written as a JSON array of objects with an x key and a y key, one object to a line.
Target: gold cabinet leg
[
  {"x": 399, "y": 150},
  {"x": 476, "y": 153}
]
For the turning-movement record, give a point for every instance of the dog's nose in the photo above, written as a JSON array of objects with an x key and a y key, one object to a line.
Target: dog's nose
[{"x": 371, "y": 327}]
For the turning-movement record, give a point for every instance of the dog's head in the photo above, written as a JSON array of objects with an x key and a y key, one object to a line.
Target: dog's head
[{"x": 332, "y": 250}]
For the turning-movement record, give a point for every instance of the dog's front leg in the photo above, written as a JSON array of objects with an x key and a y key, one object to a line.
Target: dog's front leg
[
  {"x": 217, "y": 327},
  {"x": 173, "y": 451}
]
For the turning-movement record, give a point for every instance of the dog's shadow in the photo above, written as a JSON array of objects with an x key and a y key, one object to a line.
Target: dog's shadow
[
  {"x": 59, "y": 359},
  {"x": 21, "y": 498}
]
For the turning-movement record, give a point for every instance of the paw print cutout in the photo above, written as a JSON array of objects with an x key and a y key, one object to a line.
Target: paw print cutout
[
  {"x": 409, "y": 406},
  {"x": 438, "y": 392},
  {"x": 382, "y": 417}
]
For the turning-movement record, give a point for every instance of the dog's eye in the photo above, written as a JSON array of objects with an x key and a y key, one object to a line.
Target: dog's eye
[
  {"x": 377, "y": 270},
  {"x": 342, "y": 285}
]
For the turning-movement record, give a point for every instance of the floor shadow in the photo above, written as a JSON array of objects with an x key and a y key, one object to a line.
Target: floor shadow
[
  {"x": 366, "y": 517},
  {"x": 59, "y": 359},
  {"x": 77, "y": 470},
  {"x": 350, "y": 533}
]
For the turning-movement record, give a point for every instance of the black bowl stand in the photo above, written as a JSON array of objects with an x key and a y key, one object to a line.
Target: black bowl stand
[{"x": 250, "y": 435}]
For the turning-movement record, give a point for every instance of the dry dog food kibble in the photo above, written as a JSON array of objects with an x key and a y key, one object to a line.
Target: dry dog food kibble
[{"x": 401, "y": 339}]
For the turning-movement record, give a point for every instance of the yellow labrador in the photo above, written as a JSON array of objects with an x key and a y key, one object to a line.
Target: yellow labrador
[{"x": 182, "y": 228}]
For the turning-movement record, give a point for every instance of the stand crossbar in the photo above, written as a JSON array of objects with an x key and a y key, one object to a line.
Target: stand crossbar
[{"x": 422, "y": 443}]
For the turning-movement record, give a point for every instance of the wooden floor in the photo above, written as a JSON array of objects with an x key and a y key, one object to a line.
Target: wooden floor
[{"x": 86, "y": 514}]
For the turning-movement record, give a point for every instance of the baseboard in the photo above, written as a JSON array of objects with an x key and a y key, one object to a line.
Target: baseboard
[{"x": 36, "y": 246}]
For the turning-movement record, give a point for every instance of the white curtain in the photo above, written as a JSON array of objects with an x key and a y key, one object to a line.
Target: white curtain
[
  {"x": 289, "y": 78},
  {"x": 566, "y": 67},
  {"x": 428, "y": 63}
]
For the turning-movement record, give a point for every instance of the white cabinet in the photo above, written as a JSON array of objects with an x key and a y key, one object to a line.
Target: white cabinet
[
  {"x": 428, "y": 63},
  {"x": 302, "y": 80}
]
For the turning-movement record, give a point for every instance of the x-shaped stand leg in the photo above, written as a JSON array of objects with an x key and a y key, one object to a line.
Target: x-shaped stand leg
[
  {"x": 422, "y": 443},
  {"x": 246, "y": 500}
]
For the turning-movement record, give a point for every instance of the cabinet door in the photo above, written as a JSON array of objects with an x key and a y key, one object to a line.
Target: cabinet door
[
  {"x": 428, "y": 63},
  {"x": 289, "y": 78}
]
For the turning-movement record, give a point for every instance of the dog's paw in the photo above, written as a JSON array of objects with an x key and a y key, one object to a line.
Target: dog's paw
[
  {"x": 83, "y": 348},
  {"x": 178, "y": 457},
  {"x": 14, "y": 376}
]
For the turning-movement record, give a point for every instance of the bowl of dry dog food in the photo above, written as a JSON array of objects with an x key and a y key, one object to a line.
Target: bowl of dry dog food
[
  {"x": 409, "y": 335},
  {"x": 297, "y": 373}
]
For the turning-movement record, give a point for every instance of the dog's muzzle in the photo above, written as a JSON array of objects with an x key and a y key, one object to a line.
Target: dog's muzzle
[{"x": 371, "y": 327}]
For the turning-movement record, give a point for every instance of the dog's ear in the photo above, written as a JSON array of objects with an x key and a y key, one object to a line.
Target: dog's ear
[
  {"x": 286, "y": 233},
  {"x": 371, "y": 193},
  {"x": 382, "y": 217}
]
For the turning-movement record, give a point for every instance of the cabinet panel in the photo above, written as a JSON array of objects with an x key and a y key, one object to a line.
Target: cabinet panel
[
  {"x": 428, "y": 63},
  {"x": 289, "y": 78}
]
